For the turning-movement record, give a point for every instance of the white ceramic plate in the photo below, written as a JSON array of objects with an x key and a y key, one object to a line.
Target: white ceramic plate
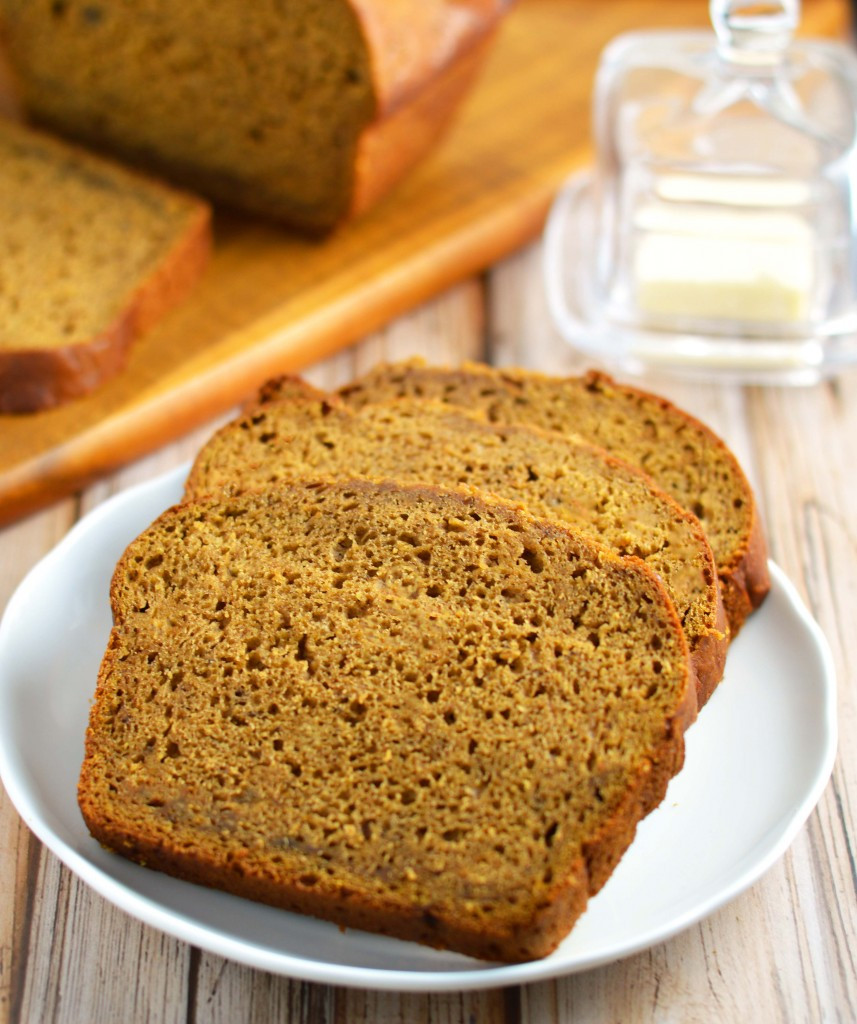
[{"x": 757, "y": 762}]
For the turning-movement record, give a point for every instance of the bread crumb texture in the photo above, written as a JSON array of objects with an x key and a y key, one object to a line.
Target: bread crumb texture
[
  {"x": 402, "y": 709},
  {"x": 258, "y": 104},
  {"x": 681, "y": 454},
  {"x": 77, "y": 237},
  {"x": 91, "y": 256},
  {"x": 296, "y": 432}
]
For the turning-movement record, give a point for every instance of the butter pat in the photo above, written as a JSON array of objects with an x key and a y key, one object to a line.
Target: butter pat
[
  {"x": 738, "y": 264},
  {"x": 731, "y": 190}
]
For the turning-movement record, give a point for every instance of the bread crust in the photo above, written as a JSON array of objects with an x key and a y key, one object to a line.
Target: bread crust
[
  {"x": 391, "y": 145},
  {"x": 745, "y": 578},
  {"x": 411, "y": 44},
  {"x": 421, "y": 72}
]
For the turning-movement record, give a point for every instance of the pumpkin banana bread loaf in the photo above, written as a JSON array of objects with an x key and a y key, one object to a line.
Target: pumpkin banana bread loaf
[
  {"x": 403, "y": 710},
  {"x": 681, "y": 455},
  {"x": 307, "y": 111},
  {"x": 91, "y": 256},
  {"x": 295, "y": 432}
]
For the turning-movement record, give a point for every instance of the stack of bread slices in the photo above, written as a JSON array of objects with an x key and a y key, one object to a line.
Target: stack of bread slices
[{"x": 418, "y": 657}]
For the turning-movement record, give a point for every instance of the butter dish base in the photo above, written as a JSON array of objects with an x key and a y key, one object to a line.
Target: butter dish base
[{"x": 745, "y": 355}]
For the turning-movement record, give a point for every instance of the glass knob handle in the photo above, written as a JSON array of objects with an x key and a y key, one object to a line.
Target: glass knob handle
[{"x": 754, "y": 31}]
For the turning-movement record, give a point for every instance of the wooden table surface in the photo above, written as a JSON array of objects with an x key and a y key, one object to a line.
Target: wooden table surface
[{"x": 782, "y": 951}]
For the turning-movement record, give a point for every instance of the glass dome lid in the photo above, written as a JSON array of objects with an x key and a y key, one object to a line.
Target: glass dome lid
[{"x": 716, "y": 233}]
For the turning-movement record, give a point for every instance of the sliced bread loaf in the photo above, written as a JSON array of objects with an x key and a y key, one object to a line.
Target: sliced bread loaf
[
  {"x": 91, "y": 256},
  {"x": 412, "y": 712},
  {"x": 290, "y": 435},
  {"x": 305, "y": 111},
  {"x": 681, "y": 455}
]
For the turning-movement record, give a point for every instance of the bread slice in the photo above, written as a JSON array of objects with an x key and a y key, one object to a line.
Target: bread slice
[
  {"x": 403, "y": 710},
  {"x": 681, "y": 455},
  {"x": 91, "y": 256},
  {"x": 304, "y": 111},
  {"x": 296, "y": 432}
]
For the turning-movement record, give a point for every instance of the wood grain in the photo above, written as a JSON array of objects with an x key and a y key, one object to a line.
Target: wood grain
[{"x": 271, "y": 302}]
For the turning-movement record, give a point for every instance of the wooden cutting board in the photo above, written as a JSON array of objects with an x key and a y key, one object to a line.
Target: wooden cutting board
[{"x": 271, "y": 302}]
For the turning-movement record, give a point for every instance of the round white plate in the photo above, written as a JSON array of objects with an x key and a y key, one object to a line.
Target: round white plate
[{"x": 757, "y": 761}]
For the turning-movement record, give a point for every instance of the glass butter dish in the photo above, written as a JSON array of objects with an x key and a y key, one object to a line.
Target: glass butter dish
[{"x": 716, "y": 234}]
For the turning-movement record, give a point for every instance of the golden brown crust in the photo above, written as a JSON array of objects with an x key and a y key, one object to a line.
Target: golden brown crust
[
  {"x": 709, "y": 654},
  {"x": 746, "y": 582},
  {"x": 287, "y": 385},
  {"x": 114, "y": 794},
  {"x": 412, "y": 44},
  {"x": 390, "y": 146},
  {"x": 422, "y": 72},
  {"x": 744, "y": 576},
  {"x": 32, "y": 380},
  {"x": 350, "y": 908},
  {"x": 178, "y": 273}
]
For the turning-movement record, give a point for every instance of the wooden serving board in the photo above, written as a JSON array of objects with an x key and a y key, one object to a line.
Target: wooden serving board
[{"x": 271, "y": 302}]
